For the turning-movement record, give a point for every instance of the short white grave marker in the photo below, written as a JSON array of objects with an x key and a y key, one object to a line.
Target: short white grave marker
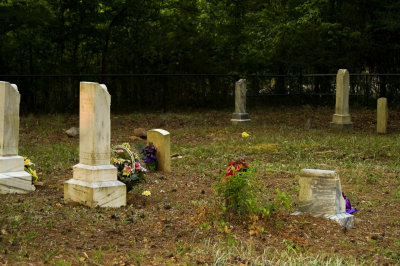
[
  {"x": 382, "y": 116},
  {"x": 321, "y": 195},
  {"x": 160, "y": 138}
]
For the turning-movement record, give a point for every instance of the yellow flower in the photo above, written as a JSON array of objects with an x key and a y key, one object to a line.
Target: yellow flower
[
  {"x": 146, "y": 193},
  {"x": 127, "y": 170},
  {"x": 27, "y": 161},
  {"x": 245, "y": 135},
  {"x": 34, "y": 175}
]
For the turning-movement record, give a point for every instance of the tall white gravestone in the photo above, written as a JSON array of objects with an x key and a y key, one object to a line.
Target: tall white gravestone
[
  {"x": 240, "y": 115},
  {"x": 341, "y": 118},
  {"x": 13, "y": 178},
  {"x": 95, "y": 181}
]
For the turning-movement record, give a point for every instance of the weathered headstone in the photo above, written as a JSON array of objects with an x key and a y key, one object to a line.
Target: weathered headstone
[
  {"x": 321, "y": 195},
  {"x": 240, "y": 115},
  {"x": 341, "y": 118},
  {"x": 95, "y": 181},
  {"x": 382, "y": 116},
  {"x": 161, "y": 140},
  {"x": 13, "y": 178}
]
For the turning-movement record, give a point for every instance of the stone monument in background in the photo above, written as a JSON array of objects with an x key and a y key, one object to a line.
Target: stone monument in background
[
  {"x": 95, "y": 181},
  {"x": 13, "y": 178},
  {"x": 240, "y": 115},
  {"x": 341, "y": 118},
  {"x": 382, "y": 115}
]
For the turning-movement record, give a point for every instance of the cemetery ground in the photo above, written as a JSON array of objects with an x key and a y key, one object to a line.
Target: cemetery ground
[{"x": 181, "y": 222}]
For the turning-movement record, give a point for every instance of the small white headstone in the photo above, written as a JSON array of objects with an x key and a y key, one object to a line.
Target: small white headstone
[
  {"x": 321, "y": 195},
  {"x": 161, "y": 139}
]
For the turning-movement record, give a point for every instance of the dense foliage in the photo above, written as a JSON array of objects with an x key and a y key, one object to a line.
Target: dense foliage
[{"x": 198, "y": 36}]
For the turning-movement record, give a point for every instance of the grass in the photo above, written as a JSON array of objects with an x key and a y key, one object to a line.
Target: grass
[
  {"x": 241, "y": 253},
  {"x": 40, "y": 228}
]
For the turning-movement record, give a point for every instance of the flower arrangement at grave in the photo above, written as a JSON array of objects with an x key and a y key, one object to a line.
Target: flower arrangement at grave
[
  {"x": 149, "y": 157},
  {"x": 29, "y": 167},
  {"x": 127, "y": 161}
]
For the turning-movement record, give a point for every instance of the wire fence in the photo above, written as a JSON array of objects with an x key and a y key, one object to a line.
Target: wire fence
[{"x": 169, "y": 92}]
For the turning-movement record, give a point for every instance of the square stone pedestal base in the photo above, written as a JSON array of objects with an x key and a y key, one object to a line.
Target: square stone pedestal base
[
  {"x": 11, "y": 164},
  {"x": 344, "y": 219},
  {"x": 19, "y": 182},
  {"x": 238, "y": 122},
  {"x": 93, "y": 194},
  {"x": 240, "y": 118},
  {"x": 95, "y": 173}
]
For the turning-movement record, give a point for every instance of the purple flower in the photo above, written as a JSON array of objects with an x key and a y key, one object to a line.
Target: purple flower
[
  {"x": 150, "y": 154},
  {"x": 349, "y": 209}
]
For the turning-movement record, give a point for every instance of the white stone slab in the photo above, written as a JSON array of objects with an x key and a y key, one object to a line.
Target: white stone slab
[
  {"x": 93, "y": 194},
  {"x": 94, "y": 124},
  {"x": 11, "y": 164},
  {"x": 344, "y": 219},
  {"x": 16, "y": 182},
  {"x": 95, "y": 173},
  {"x": 9, "y": 119}
]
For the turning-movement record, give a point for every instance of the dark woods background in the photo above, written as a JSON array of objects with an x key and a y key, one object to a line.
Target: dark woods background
[{"x": 48, "y": 46}]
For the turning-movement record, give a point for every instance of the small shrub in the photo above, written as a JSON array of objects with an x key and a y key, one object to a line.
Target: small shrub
[
  {"x": 241, "y": 195},
  {"x": 235, "y": 187}
]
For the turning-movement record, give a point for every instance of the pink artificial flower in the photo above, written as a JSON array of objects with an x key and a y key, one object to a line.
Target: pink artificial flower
[
  {"x": 127, "y": 170},
  {"x": 137, "y": 165},
  {"x": 120, "y": 151}
]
